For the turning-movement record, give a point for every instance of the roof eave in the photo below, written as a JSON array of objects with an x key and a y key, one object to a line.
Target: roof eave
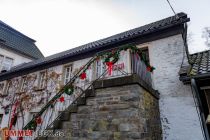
[{"x": 18, "y": 51}]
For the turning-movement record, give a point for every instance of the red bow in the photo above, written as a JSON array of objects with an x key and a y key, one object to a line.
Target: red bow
[
  {"x": 13, "y": 115},
  {"x": 38, "y": 120},
  {"x": 62, "y": 99},
  {"x": 83, "y": 76},
  {"x": 110, "y": 65},
  {"x": 20, "y": 138}
]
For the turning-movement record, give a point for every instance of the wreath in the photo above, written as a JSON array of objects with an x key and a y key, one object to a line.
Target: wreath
[{"x": 69, "y": 90}]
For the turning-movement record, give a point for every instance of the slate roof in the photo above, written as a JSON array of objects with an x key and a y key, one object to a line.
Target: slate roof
[
  {"x": 200, "y": 63},
  {"x": 13, "y": 39},
  {"x": 127, "y": 35}
]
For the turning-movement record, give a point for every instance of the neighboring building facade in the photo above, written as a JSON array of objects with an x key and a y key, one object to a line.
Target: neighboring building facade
[
  {"x": 135, "y": 116},
  {"x": 197, "y": 73},
  {"x": 16, "y": 48}
]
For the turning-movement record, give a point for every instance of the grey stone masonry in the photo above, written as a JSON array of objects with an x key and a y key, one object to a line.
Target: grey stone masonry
[
  {"x": 126, "y": 112},
  {"x": 117, "y": 113}
]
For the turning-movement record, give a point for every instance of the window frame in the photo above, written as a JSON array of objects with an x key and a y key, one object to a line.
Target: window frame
[
  {"x": 145, "y": 47},
  {"x": 2, "y": 59},
  {"x": 7, "y": 87},
  {"x": 1, "y": 117},
  {"x": 23, "y": 83},
  {"x": 145, "y": 50},
  {"x": 3, "y": 88},
  {"x": 102, "y": 68},
  {"x": 70, "y": 75},
  {"x": 42, "y": 81},
  {"x": 3, "y": 62}
]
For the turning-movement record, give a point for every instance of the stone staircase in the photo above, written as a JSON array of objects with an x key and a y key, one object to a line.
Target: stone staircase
[
  {"x": 113, "y": 111},
  {"x": 64, "y": 123}
]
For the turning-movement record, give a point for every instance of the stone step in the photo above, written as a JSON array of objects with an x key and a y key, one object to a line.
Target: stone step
[
  {"x": 65, "y": 116},
  {"x": 49, "y": 138},
  {"x": 89, "y": 93},
  {"x": 85, "y": 109},
  {"x": 110, "y": 135},
  {"x": 81, "y": 101},
  {"x": 54, "y": 138},
  {"x": 75, "y": 138},
  {"x": 66, "y": 125},
  {"x": 56, "y": 124},
  {"x": 72, "y": 109},
  {"x": 41, "y": 138}
]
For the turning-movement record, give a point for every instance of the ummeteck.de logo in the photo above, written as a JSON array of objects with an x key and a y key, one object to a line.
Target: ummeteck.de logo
[{"x": 5, "y": 133}]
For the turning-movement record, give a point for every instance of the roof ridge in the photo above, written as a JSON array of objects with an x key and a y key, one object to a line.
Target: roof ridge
[{"x": 92, "y": 42}]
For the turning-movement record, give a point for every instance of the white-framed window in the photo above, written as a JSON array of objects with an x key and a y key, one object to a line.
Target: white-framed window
[
  {"x": 2, "y": 86},
  {"x": 1, "y": 117},
  {"x": 67, "y": 73},
  {"x": 42, "y": 79},
  {"x": 23, "y": 84},
  {"x": 5, "y": 63},
  {"x": 8, "y": 87},
  {"x": 1, "y": 59},
  {"x": 100, "y": 68},
  {"x": 145, "y": 52}
]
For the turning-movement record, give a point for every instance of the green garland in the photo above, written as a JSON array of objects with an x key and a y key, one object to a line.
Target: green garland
[
  {"x": 112, "y": 57},
  {"x": 115, "y": 55},
  {"x": 32, "y": 125},
  {"x": 69, "y": 90}
]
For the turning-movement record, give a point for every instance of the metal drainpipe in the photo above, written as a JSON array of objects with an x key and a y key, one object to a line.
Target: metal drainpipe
[{"x": 200, "y": 109}]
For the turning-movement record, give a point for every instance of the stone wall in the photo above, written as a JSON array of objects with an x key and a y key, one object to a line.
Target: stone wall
[{"x": 117, "y": 113}]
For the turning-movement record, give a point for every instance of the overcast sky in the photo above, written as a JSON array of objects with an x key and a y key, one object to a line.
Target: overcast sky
[{"x": 58, "y": 25}]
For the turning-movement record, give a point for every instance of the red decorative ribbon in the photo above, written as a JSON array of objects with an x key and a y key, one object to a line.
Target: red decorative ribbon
[
  {"x": 20, "y": 138},
  {"x": 62, "y": 99},
  {"x": 38, "y": 120},
  {"x": 110, "y": 65},
  {"x": 83, "y": 76},
  {"x": 150, "y": 69},
  {"x": 13, "y": 115}
]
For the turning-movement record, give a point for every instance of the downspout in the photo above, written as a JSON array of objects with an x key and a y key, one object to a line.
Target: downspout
[
  {"x": 184, "y": 36},
  {"x": 200, "y": 109}
]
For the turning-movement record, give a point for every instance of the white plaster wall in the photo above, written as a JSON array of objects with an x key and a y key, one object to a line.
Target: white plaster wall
[
  {"x": 59, "y": 70},
  {"x": 178, "y": 112},
  {"x": 18, "y": 59}
]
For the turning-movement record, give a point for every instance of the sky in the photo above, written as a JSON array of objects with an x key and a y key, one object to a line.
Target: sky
[{"x": 59, "y": 25}]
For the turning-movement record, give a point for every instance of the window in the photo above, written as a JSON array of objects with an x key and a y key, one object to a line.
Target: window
[
  {"x": 42, "y": 80},
  {"x": 9, "y": 87},
  {"x": 67, "y": 73},
  {"x": 5, "y": 63},
  {"x": 145, "y": 52},
  {"x": 1, "y": 59},
  {"x": 2, "y": 88},
  {"x": 23, "y": 85},
  {"x": 1, "y": 117},
  {"x": 100, "y": 68}
]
